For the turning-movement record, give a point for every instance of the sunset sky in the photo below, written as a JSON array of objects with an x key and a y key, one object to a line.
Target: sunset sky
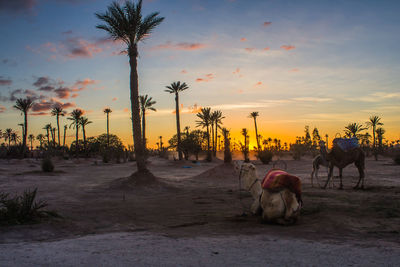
[{"x": 319, "y": 63}]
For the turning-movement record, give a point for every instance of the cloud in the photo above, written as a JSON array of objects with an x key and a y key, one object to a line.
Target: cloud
[
  {"x": 2, "y": 108},
  {"x": 41, "y": 81},
  {"x": 249, "y": 49},
  {"x": 312, "y": 99},
  {"x": 63, "y": 92},
  {"x": 258, "y": 84},
  {"x": 288, "y": 47},
  {"x": 206, "y": 78},
  {"x": 179, "y": 46},
  {"x": 17, "y": 6},
  {"x": 5, "y": 82},
  {"x": 82, "y": 85},
  {"x": 294, "y": 70},
  {"x": 243, "y": 39},
  {"x": 114, "y": 99},
  {"x": 194, "y": 109},
  {"x": 67, "y": 32},
  {"x": 267, "y": 23},
  {"x": 376, "y": 97},
  {"x": 46, "y": 88},
  {"x": 266, "y": 48},
  {"x": 9, "y": 62},
  {"x": 76, "y": 47},
  {"x": 47, "y": 105}
]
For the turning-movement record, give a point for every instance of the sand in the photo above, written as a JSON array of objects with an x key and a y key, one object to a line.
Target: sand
[{"x": 199, "y": 206}]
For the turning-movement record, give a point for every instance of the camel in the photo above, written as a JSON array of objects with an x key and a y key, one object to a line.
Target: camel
[
  {"x": 340, "y": 158},
  {"x": 318, "y": 161},
  {"x": 280, "y": 206}
]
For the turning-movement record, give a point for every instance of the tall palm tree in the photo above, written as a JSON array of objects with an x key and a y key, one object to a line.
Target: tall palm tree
[
  {"x": 75, "y": 117},
  {"x": 65, "y": 134},
  {"x": 205, "y": 118},
  {"x": 373, "y": 122},
  {"x": 161, "y": 142},
  {"x": 58, "y": 111},
  {"x": 254, "y": 115},
  {"x": 83, "y": 121},
  {"x": 379, "y": 135},
  {"x": 48, "y": 128},
  {"x": 31, "y": 137},
  {"x": 216, "y": 118},
  {"x": 40, "y": 138},
  {"x": 175, "y": 88},
  {"x": 354, "y": 129},
  {"x": 127, "y": 24},
  {"x": 7, "y": 135},
  {"x": 24, "y": 105},
  {"x": 108, "y": 111},
  {"x": 15, "y": 138},
  {"x": 146, "y": 103}
]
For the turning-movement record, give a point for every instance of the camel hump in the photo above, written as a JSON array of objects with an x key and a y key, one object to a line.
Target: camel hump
[
  {"x": 346, "y": 144},
  {"x": 277, "y": 179}
]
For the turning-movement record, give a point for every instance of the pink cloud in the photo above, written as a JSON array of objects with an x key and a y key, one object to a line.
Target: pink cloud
[
  {"x": 236, "y": 71},
  {"x": 114, "y": 99},
  {"x": 294, "y": 70},
  {"x": 267, "y": 23},
  {"x": 288, "y": 47},
  {"x": 266, "y": 48},
  {"x": 207, "y": 78},
  {"x": 5, "y": 82},
  {"x": 179, "y": 46},
  {"x": 249, "y": 49},
  {"x": 258, "y": 84},
  {"x": 243, "y": 39}
]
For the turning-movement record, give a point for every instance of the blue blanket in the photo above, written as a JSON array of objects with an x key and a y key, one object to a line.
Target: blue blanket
[{"x": 346, "y": 144}]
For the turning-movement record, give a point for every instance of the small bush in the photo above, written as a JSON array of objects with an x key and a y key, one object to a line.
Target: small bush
[
  {"x": 22, "y": 209},
  {"x": 265, "y": 156},
  {"x": 47, "y": 165},
  {"x": 396, "y": 159}
]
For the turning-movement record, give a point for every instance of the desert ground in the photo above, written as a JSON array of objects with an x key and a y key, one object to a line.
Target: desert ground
[{"x": 194, "y": 214}]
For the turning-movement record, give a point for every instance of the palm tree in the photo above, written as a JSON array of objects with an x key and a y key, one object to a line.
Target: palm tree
[
  {"x": 65, "y": 134},
  {"x": 31, "y": 137},
  {"x": 48, "y": 128},
  {"x": 58, "y": 111},
  {"x": 75, "y": 117},
  {"x": 227, "y": 151},
  {"x": 7, "y": 135},
  {"x": 24, "y": 105},
  {"x": 354, "y": 129},
  {"x": 373, "y": 122},
  {"x": 161, "y": 142},
  {"x": 40, "y": 138},
  {"x": 379, "y": 134},
  {"x": 217, "y": 119},
  {"x": 146, "y": 103},
  {"x": 254, "y": 115},
  {"x": 15, "y": 138},
  {"x": 204, "y": 115},
  {"x": 83, "y": 122},
  {"x": 245, "y": 134},
  {"x": 175, "y": 88},
  {"x": 127, "y": 24},
  {"x": 108, "y": 111}
]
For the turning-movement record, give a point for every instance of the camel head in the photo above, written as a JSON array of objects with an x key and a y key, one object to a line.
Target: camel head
[{"x": 248, "y": 174}]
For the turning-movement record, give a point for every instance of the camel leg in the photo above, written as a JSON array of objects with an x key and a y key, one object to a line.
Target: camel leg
[
  {"x": 360, "y": 168},
  {"x": 312, "y": 176},
  {"x": 340, "y": 176},
  {"x": 329, "y": 175}
]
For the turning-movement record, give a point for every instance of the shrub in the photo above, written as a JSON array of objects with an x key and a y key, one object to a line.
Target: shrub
[
  {"x": 396, "y": 159},
  {"x": 47, "y": 165},
  {"x": 265, "y": 156},
  {"x": 22, "y": 209}
]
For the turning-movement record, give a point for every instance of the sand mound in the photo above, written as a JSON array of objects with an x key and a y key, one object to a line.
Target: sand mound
[{"x": 222, "y": 171}]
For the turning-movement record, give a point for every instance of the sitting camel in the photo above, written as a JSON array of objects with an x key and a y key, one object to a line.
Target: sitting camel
[
  {"x": 278, "y": 204},
  {"x": 340, "y": 158}
]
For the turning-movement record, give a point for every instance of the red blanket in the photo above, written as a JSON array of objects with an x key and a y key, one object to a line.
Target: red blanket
[{"x": 277, "y": 179}]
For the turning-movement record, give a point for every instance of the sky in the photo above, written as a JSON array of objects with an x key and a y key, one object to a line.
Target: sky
[{"x": 319, "y": 63}]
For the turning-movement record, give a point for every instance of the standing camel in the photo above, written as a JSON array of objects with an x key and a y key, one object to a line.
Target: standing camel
[
  {"x": 340, "y": 159},
  {"x": 317, "y": 162}
]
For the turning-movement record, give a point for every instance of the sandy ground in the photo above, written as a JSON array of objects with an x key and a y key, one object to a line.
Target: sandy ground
[{"x": 195, "y": 215}]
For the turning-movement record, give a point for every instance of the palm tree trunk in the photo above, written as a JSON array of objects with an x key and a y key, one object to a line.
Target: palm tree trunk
[
  {"x": 374, "y": 148},
  {"x": 65, "y": 132},
  {"x": 209, "y": 158},
  {"x": 134, "y": 92},
  {"x": 76, "y": 139},
  {"x": 178, "y": 126},
  {"x": 25, "y": 131},
  {"x": 255, "y": 125},
  {"x": 58, "y": 129},
  {"x": 84, "y": 138},
  {"x": 144, "y": 129},
  {"x": 216, "y": 138},
  {"x": 212, "y": 137},
  {"x": 108, "y": 132}
]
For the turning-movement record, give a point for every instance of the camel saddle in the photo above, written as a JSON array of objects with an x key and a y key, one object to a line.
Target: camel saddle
[
  {"x": 277, "y": 179},
  {"x": 346, "y": 144}
]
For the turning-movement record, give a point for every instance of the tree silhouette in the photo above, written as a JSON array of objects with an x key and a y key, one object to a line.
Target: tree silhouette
[
  {"x": 354, "y": 129},
  {"x": 146, "y": 103},
  {"x": 31, "y": 137},
  {"x": 245, "y": 147},
  {"x": 373, "y": 122},
  {"x": 24, "y": 105},
  {"x": 127, "y": 24},
  {"x": 175, "y": 88},
  {"x": 48, "y": 128},
  {"x": 40, "y": 138},
  {"x": 204, "y": 122},
  {"x": 65, "y": 134},
  {"x": 75, "y": 117},
  {"x": 254, "y": 115},
  {"x": 83, "y": 121},
  {"x": 7, "y": 135},
  {"x": 58, "y": 111},
  {"x": 108, "y": 111}
]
